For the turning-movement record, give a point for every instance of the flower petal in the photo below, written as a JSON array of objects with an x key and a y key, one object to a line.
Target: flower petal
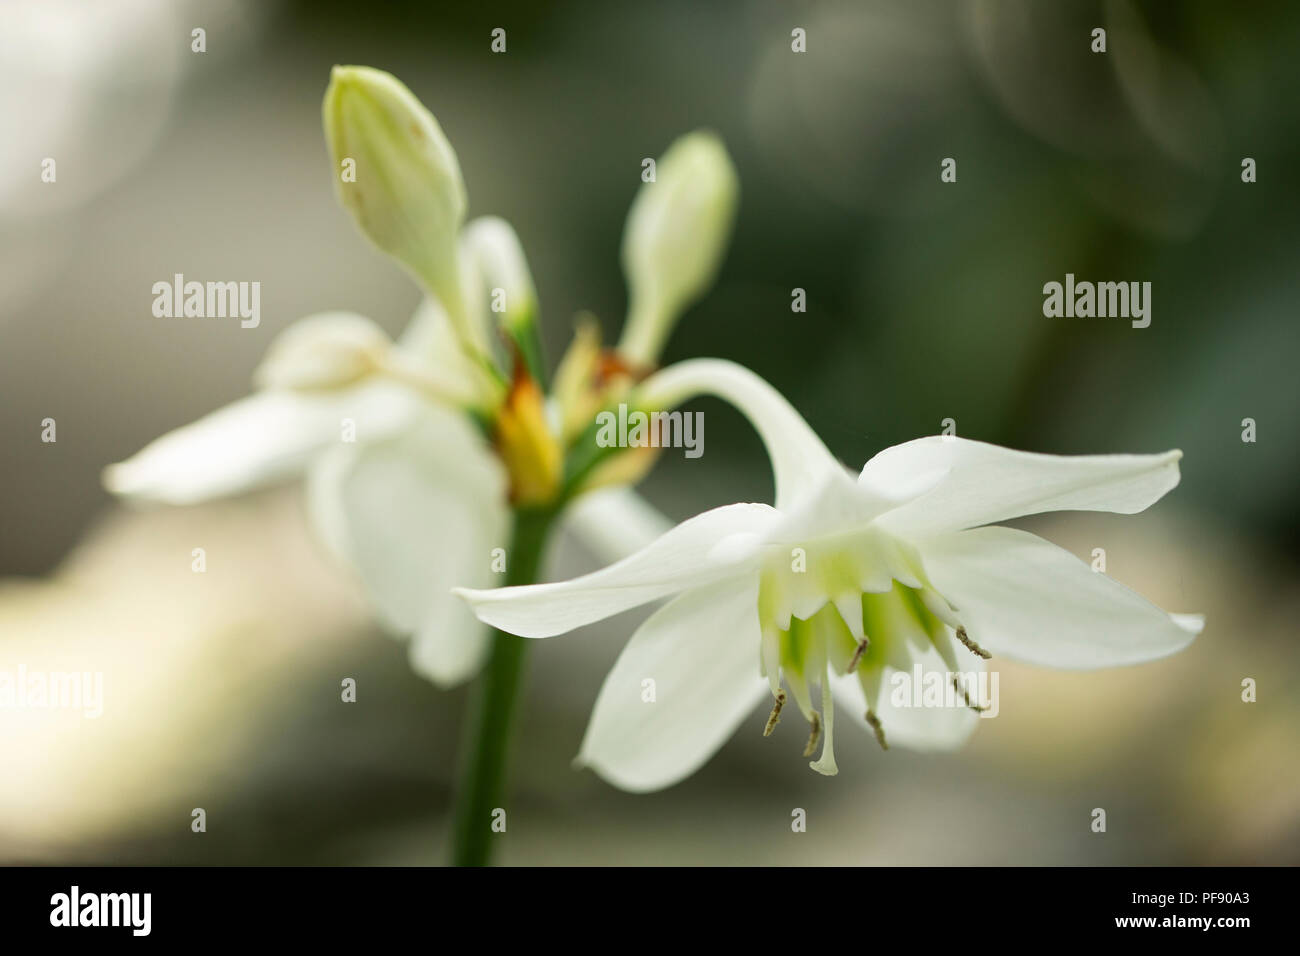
[
  {"x": 323, "y": 351},
  {"x": 701, "y": 651},
  {"x": 975, "y": 483},
  {"x": 700, "y": 550},
  {"x": 1021, "y": 596},
  {"x": 417, "y": 514},
  {"x": 800, "y": 461},
  {"x": 255, "y": 441}
]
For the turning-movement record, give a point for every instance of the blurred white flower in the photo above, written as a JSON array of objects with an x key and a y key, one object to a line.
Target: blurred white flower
[
  {"x": 843, "y": 583},
  {"x": 417, "y": 453}
]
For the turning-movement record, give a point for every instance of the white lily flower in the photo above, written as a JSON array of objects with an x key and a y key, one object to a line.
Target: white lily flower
[
  {"x": 417, "y": 453},
  {"x": 846, "y": 581},
  {"x": 402, "y": 484}
]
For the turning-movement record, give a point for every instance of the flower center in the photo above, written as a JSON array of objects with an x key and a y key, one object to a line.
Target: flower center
[{"x": 851, "y": 609}]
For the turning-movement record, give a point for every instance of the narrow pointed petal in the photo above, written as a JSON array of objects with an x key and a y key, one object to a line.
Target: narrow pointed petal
[
  {"x": 801, "y": 463},
  {"x": 258, "y": 440},
  {"x": 709, "y": 547},
  {"x": 701, "y": 652},
  {"x": 418, "y": 514},
  {"x": 1027, "y": 599},
  {"x": 615, "y": 522},
  {"x": 975, "y": 483}
]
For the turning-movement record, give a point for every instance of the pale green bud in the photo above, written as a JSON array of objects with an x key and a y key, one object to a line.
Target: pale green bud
[
  {"x": 677, "y": 230},
  {"x": 494, "y": 249},
  {"x": 397, "y": 174}
]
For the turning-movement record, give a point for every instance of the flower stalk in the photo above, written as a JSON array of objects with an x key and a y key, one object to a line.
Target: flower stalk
[{"x": 486, "y": 748}]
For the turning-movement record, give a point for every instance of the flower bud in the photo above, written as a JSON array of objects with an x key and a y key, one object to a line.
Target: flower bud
[
  {"x": 404, "y": 189},
  {"x": 676, "y": 232},
  {"x": 493, "y": 247}
]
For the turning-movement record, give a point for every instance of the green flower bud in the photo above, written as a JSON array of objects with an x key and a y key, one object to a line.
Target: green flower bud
[
  {"x": 677, "y": 230},
  {"x": 398, "y": 176},
  {"x": 494, "y": 249}
]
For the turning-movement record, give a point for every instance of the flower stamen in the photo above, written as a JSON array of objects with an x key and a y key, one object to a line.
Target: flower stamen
[
  {"x": 857, "y": 655},
  {"x": 874, "y": 723},
  {"x": 965, "y": 696},
  {"x": 971, "y": 645},
  {"x": 775, "y": 717},
  {"x": 814, "y": 736}
]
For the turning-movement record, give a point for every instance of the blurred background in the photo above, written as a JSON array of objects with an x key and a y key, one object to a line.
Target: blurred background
[{"x": 924, "y": 303}]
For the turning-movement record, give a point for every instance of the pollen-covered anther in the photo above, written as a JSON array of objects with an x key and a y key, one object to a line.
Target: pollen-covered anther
[
  {"x": 857, "y": 655},
  {"x": 971, "y": 645},
  {"x": 774, "y": 718},
  {"x": 814, "y": 736},
  {"x": 874, "y": 723},
  {"x": 957, "y": 686}
]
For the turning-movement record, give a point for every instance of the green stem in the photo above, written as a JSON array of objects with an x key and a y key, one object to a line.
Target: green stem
[{"x": 487, "y": 744}]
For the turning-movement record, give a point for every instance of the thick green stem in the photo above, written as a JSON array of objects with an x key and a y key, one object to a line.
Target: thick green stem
[{"x": 487, "y": 743}]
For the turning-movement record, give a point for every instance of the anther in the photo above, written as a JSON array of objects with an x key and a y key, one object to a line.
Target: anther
[
  {"x": 815, "y": 736},
  {"x": 775, "y": 717},
  {"x": 874, "y": 723},
  {"x": 971, "y": 645},
  {"x": 857, "y": 656},
  {"x": 956, "y": 685}
]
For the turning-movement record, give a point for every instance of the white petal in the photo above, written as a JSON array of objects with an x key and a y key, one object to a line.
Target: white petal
[
  {"x": 257, "y": 440},
  {"x": 711, "y": 546},
  {"x": 615, "y": 522},
  {"x": 419, "y": 514},
  {"x": 837, "y": 505},
  {"x": 975, "y": 483},
  {"x": 326, "y": 350},
  {"x": 1020, "y": 596},
  {"x": 800, "y": 462},
  {"x": 701, "y": 651}
]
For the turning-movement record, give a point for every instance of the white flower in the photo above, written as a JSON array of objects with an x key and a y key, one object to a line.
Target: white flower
[
  {"x": 419, "y": 453},
  {"x": 401, "y": 483},
  {"x": 900, "y": 566},
  {"x": 416, "y": 503}
]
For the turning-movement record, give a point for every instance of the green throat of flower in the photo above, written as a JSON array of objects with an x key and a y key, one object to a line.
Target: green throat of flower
[{"x": 817, "y": 623}]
